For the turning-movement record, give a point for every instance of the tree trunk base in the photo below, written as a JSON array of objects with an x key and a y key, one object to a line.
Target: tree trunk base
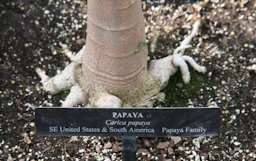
[
  {"x": 139, "y": 96},
  {"x": 157, "y": 77}
]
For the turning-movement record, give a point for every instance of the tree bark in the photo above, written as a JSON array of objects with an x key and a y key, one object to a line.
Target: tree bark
[{"x": 115, "y": 56}]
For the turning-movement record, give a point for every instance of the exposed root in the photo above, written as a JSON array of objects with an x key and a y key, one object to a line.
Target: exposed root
[
  {"x": 42, "y": 75},
  {"x": 154, "y": 42},
  {"x": 61, "y": 81},
  {"x": 180, "y": 49},
  {"x": 65, "y": 79},
  {"x": 252, "y": 67},
  {"x": 192, "y": 62},
  {"x": 163, "y": 68},
  {"x": 109, "y": 101},
  {"x": 186, "y": 42},
  {"x": 179, "y": 62},
  {"x": 75, "y": 97},
  {"x": 73, "y": 57}
]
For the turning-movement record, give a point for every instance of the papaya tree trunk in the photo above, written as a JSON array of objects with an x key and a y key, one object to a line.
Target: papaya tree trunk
[
  {"x": 112, "y": 69},
  {"x": 114, "y": 56}
]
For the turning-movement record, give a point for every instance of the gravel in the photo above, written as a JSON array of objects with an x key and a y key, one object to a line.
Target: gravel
[{"x": 31, "y": 36}]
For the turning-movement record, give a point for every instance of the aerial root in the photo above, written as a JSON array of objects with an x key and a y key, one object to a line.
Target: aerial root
[
  {"x": 75, "y": 97},
  {"x": 108, "y": 101}
]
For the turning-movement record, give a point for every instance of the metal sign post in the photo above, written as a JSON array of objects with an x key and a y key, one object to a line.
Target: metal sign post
[{"x": 128, "y": 123}]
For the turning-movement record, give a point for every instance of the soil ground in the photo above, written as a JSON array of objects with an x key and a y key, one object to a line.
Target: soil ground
[{"x": 30, "y": 35}]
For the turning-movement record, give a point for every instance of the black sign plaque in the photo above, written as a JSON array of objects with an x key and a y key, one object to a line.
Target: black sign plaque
[{"x": 143, "y": 122}]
